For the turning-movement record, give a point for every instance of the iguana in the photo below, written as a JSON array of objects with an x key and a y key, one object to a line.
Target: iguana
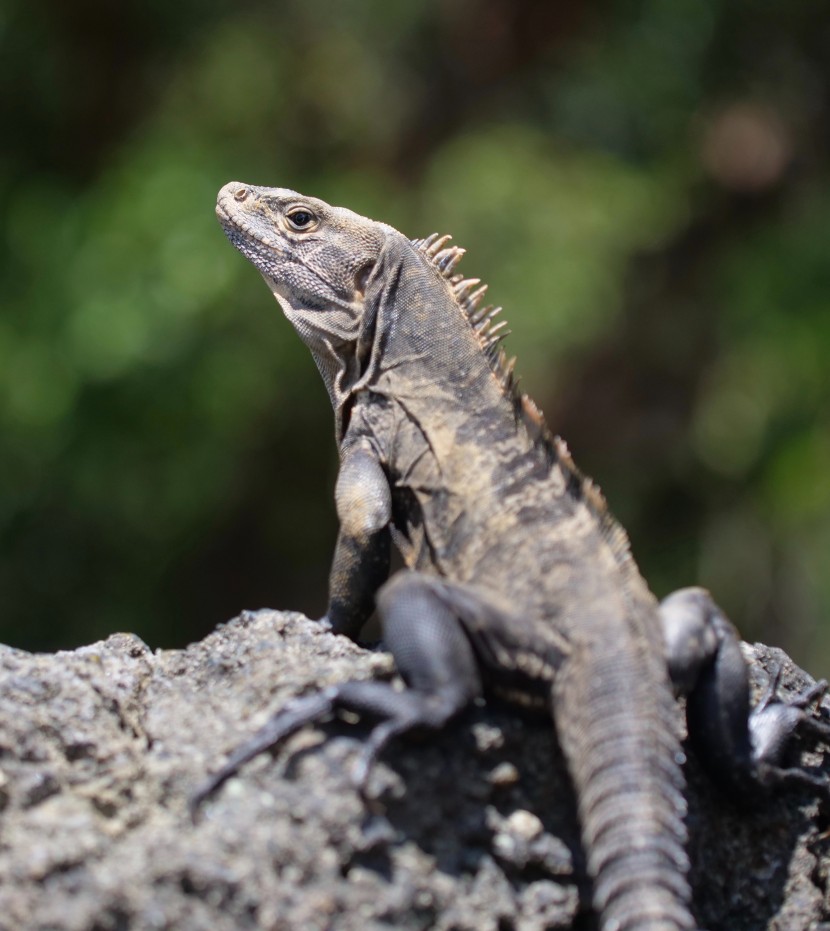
[{"x": 518, "y": 582}]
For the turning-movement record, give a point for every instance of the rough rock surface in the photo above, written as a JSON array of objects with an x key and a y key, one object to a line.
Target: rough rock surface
[{"x": 471, "y": 829}]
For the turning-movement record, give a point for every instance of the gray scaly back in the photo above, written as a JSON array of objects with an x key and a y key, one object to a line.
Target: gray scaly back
[{"x": 468, "y": 294}]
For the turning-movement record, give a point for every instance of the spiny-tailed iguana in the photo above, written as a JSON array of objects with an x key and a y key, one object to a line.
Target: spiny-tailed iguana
[{"x": 518, "y": 580}]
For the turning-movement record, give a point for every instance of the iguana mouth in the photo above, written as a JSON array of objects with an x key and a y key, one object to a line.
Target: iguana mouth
[
  {"x": 222, "y": 212},
  {"x": 231, "y": 221},
  {"x": 254, "y": 246}
]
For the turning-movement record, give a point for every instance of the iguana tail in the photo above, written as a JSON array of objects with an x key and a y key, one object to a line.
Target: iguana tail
[{"x": 615, "y": 721}]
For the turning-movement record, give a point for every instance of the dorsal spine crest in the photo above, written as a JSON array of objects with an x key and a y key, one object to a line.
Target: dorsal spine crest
[{"x": 468, "y": 294}]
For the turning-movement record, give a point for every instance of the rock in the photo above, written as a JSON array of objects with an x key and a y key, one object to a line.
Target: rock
[{"x": 471, "y": 829}]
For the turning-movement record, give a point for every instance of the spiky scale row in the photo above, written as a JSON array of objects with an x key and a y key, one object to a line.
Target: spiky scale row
[
  {"x": 463, "y": 288},
  {"x": 432, "y": 244},
  {"x": 507, "y": 367},
  {"x": 442, "y": 256},
  {"x": 485, "y": 313},
  {"x": 613, "y": 532},
  {"x": 495, "y": 334},
  {"x": 468, "y": 293},
  {"x": 448, "y": 258},
  {"x": 474, "y": 299}
]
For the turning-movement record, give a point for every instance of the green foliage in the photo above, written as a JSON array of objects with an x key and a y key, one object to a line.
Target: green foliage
[
  {"x": 551, "y": 228},
  {"x": 645, "y": 189}
]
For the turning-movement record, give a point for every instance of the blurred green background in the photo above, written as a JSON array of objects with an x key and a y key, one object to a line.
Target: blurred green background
[{"x": 645, "y": 186}]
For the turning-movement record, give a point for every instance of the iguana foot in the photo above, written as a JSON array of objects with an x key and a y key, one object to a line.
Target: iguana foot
[
  {"x": 287, "y": 721},
  {"x": 434, "y": 657},
  {"x": 739, "y": 746},
  {"x": 774, "y": 724}
]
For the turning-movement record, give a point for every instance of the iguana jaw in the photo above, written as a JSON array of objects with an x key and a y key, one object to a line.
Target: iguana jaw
[
  {"x": 326, "y": 264},
  {"x": 318, "y": 275},
  {"x": 259, "y": 251}
]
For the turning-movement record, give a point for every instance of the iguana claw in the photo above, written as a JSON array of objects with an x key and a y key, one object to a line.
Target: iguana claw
[{"x": 774, "y": 723}]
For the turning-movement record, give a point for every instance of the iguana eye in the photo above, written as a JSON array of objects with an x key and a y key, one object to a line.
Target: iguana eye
[{"x": 300, "y": 218}]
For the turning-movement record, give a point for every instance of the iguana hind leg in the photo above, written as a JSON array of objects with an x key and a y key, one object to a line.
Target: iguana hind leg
[
  {"x": 739, "y": 746},
  {"x": 434, "y": 658}
]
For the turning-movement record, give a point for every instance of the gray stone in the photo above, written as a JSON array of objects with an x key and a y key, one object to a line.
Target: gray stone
[{"x": 470, "y": 829}]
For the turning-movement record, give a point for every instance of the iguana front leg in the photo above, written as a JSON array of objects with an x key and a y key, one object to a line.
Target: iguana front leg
[
  {"x": 361, "y": 558},
  {"x": 741, "y": 748},
  {"x": 433, "y": 656}
]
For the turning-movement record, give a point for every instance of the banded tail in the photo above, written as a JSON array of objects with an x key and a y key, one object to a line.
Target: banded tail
[{"x": 618, "y": 734}]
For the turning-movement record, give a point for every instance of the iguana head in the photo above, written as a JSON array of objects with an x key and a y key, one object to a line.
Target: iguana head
[
  {"x": 342, "y": 279},
  {"x": 316, "y": 259}
]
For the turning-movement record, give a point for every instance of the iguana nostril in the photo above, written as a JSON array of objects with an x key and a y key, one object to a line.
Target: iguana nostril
[{"x": 240, "y": 194}]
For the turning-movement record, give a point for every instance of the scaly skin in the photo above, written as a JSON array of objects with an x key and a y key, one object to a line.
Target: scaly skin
[{"x": 518, "y": 582}]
